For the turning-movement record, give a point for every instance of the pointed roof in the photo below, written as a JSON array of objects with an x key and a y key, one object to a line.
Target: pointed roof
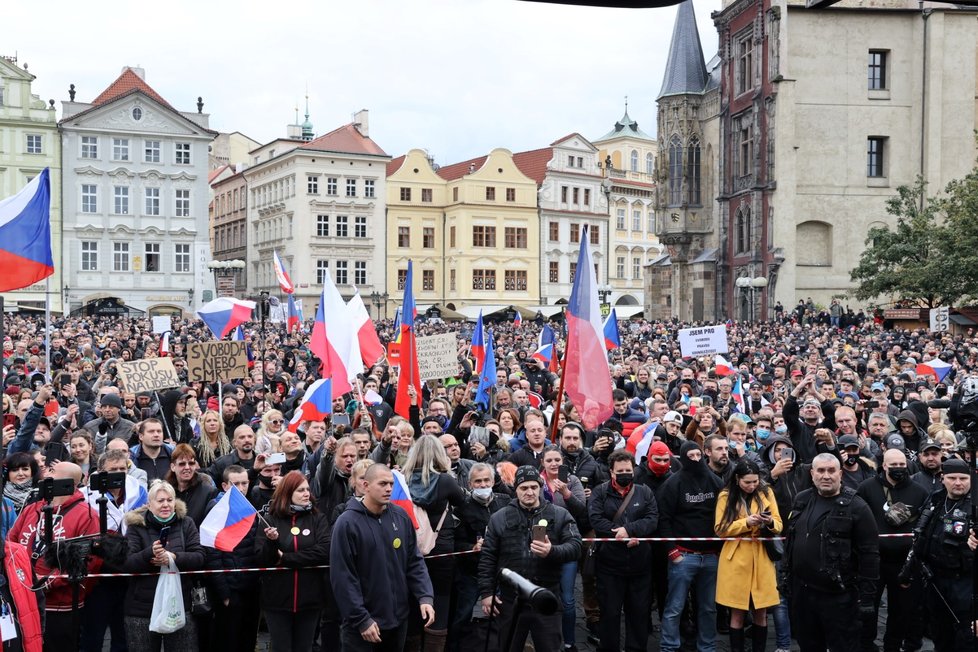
[
  {"x": 126, "y": 83},
  {"x": 396, "y": 164},
  {"x": 625, "y": 127},
  {"x": 685, "y": 68},
  {"x": 345, "y": 140},
  {"x": 459, "y": 170}
]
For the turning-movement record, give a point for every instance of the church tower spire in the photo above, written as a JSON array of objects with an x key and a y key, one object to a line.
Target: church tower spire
[{"x": 685, "y": 67}]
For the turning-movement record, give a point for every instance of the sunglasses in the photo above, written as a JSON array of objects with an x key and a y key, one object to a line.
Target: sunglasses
[{"x": 276, "y": 422}]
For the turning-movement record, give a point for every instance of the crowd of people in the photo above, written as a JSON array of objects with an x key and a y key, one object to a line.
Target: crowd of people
[{"x": 839, "y": 475}]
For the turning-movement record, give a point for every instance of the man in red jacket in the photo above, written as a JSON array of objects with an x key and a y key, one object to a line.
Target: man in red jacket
[{"x": 73, "y": 517}]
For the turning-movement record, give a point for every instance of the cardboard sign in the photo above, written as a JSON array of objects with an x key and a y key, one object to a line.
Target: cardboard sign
[
  {"x": 437, "y": 356},
  {"x": 708, "y": 340},
  {"x": 940, "y": 319},
  {"x": 212, "y": 361},
  {"x": 149, "y": 375},
  {"x": 162, "y": 324}
]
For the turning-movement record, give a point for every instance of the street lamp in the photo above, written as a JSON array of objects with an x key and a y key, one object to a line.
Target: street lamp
[
  {"x": 226, "y": 269},
  {"x": 604, "y": 291},
  {"x": 378, "y": 299},
  {"x": 750, "y": 286}
]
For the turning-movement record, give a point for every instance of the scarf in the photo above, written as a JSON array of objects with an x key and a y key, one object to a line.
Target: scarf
[{"x": 18, "y": 493}]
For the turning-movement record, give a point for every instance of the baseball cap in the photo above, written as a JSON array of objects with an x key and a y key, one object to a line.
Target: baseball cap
[
  {"x": 895, "y": 441},
  {"x": 878, "y": 387},
  {"x": 845, "y": 441},
  {"x": 795, "y": 373},
  {"x": 673, "y": 417},
  {"x": 928, "y": 444},
  {"x": 526, "y": 473}
]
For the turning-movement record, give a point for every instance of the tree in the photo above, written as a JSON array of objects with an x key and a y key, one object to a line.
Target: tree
[{"x": 931, "y": 256}]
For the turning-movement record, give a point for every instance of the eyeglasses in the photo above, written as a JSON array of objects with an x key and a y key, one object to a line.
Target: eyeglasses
[
  {"x": 184, "y": 463},
  {"x": 276, "y": 422}
]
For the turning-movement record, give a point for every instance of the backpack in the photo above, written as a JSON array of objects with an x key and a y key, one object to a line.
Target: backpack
[{"x": 425, "y": 535}]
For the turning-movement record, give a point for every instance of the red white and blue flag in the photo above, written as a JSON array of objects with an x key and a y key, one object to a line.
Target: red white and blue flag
[
  {"x": 371, "y": 350},
  {"x": 239, "y": 336},
  {"x": 548, "y": 338},
  {"x": 401, "y": 496},
  {"x": 544, "y": 353},
  {"x": 409, "y": 372},
  {"x": 228, "y": 522},
  {"x": 723, "y": 367},
  {"x": 293, "y": 320},
  {"x": 518, "y": 319},
  {"x": 487, "y": 377},
  {"x": 479, "y": 344},
  {"x": 738, "y": 396},
  {"x": 223, "y": 315},
  {"x": 612, "y": 340},
  {"x": 25, "y": 235},
  {"x": 333, "y": 340},
  {"x": 587, "y": 379},
  {"x": 164, "y": 344},
  {"x": 936, "y": 368},
  {"x": 284, "y": 281},
  {"x": 316, "y": 405}
]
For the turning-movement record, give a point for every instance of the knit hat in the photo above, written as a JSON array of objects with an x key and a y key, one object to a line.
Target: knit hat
[
  {"x": 111, "y": 400},
  {"x": 526, "y": 473},
  {"x": 955, "y": 465}
]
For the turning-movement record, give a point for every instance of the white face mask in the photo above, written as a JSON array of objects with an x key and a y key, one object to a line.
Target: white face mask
[{"x": 482, "y": 494}]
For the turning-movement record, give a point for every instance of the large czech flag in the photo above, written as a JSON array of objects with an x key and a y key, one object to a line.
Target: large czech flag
[
  {"x": 409, "y": 372},
  {"x": 284, "y": 281},
  {"x": 612, "y": 340},
  {"x": 371, "y": 350},
  {"x": 588, "y": 379},
  {"x": 316, "y": 405},
  {"x": 935, "y": 367},
  {"x": 228, "y": 522},
  {"x": 334, "y": 341},
  {"x": 223, "y": 315},
  {"x": 25, "y": 235}
]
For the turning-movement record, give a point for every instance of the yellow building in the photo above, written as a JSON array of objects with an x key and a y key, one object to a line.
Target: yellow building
[{"x": 472, "y": 230}]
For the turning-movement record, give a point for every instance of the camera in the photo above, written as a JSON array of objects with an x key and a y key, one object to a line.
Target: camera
[
  {"x": 51, "y": 488},
  {"x": 105, "y": 482}
]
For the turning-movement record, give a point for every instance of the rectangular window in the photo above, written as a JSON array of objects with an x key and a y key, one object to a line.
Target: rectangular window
[
  {"x": 403, "y": 237},
  {"x": 594, "y": 234},
  {"x": 575, "y": 233},
  {"x": 451, "y": 237},
  {"x": 181, "y": 154},
  {"x": 875, "y": 149},
  {"x": 636, "y": 267},
  {"x": 360, "y": 226},
  {"x": 745, "y": 56},
  {"x": 515, "y": 279},
  {"x": 401, "y": 278},
  {"x": 483, "y": 236},
  {"x": 312, "y": 185},
  {"x": 34, "y": 144},
  {"x": 651, "y": 222},
  {"x": 181, "y": 257},
  {"x": 515, "y": 237},
  {"x": 620, "y": 267},
  {"x": 121, "y": 203},
  {"x": 120, "y": 256},
  {"x": 746, "y": 152},
  {"x": 573, "y": 272},
  {"x": 89, "y": 198},
  {"x": 490, "y": 193},
  {"x": 322, "y": 268},
  {"x": 877, "y": 70},
  {"x": 89, "y": 146},
  {"x": 369, "y": 188},
  {"x": 360, "y": 272},
  {"x": 426, "y": 195},
  {"x": 89, "y": 256},
  {"x": 322, "y": 226},
  {"x": 620, "y": 219},
  {"x": 428, "y": 237},
  {"x": 587, "y": 196},
  {"x": 554, "y": 271},
  {"x": 153, "y": 257},
  {"x": 483, "y": 279},
  {"x": 511, "y": 194},
  {"x": 455, "y": 194},
  {"x": 342, "y": 226},
  {"x": 152, "y": 201},
  {"x": 151, "y": 151},
  {"x": 451, "y": 279},
  {"x": 341, "y": 273},
  {"x": 182, "y": 206},
  {"x": 563, "y": 194},
  {"x": 636, "y": 220},
  {"x": 428, "y": 280},
  {"x": 331, "y": 185},
  {"x": 351, "y": 187},
  {"x": 575, "y": 194},
  {"x": 554, "y": 228},
  {"x": 405, "y": 194},
  {"x": 120, "y": 149}
]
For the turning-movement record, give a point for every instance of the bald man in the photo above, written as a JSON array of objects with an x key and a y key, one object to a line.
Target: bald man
[{"x": 73, "y": 517}]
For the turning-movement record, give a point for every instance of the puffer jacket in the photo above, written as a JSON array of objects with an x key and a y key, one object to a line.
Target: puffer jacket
[
  {"x": 305, "y": 587},
  {"x": 182, "y": 540}
]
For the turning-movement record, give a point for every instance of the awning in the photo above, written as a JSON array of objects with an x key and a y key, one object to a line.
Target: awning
[
  {"x": 446, "y": 313},
  {"x": 472, "y": 312},
  {"x": 627, "y": 312},
  {"x": 961, "y": 320}
]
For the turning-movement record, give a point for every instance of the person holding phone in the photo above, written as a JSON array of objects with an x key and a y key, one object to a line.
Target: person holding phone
[{"x": 746, "y": 580}]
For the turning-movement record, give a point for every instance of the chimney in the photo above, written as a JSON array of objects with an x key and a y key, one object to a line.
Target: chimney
[
  {"x": 361, "y": 120},
  {"x": 136, "y": 69}
]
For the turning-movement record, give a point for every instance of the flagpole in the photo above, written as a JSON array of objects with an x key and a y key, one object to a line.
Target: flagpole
[
  {"x": 560, "y": 399},
  {"x": 47, "y": 329}
]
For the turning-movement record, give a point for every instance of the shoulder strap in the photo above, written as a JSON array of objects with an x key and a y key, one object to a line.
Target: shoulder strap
[
  {"x": 624, "y": 502},
  {"x": 441, "y": 521}
]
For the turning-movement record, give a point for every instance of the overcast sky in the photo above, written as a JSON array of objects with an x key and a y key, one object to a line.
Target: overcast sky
[{"x": 455, "y": 77}]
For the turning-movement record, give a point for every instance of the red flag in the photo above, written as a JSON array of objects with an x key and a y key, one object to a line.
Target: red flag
[{"x": 409, "y": 373}]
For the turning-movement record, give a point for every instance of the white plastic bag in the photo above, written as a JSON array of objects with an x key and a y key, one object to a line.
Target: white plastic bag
[{"x": 168, "y": 615}]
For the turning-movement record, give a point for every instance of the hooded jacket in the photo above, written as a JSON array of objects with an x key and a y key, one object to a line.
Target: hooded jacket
[
  {"x": 787, "y": 485},
  {"x": 176, "y": 428},
  {"x": 687, "y": 503},
  {"x": 879, "y": 491},
  {"x": 913, "y": 441}
]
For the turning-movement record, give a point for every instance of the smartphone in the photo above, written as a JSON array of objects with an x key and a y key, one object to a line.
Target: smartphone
[
  {"x": 562, "y": 473},
  {"x": 788, "y": 454},
  {"x": 9, "y": 420},
  {"x": 65, "y": 379},
  {"x": 539, "y": 532},
  {"x": 275, "y": 458},
  {"x": 164, "y": 535},
  {"x": 872, "y": 404},
  {"x": 341, "y": 419},
  {"x": 707, "y": 401}
]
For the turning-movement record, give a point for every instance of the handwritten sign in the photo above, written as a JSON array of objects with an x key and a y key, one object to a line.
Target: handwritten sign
[
  {"x": 940, "y": 319},
  {"x": 708, "y": 340},
  {"x": 211, "y": 361},
  {"x": 437, "y": 356},
  {"x": 149, "y": 375}
]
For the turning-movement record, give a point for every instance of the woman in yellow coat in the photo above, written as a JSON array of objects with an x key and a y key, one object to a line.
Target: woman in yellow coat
[{"x": 746, "y": 580}]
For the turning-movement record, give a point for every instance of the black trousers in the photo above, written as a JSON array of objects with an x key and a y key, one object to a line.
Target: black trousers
[
  {"x": 235, "y": 626},
  {"x": 947, "y": 634},
  {"x": 61, "y": 631},
  {"x": 545, "y": 630},
  {"x": 631, "y": 594},
  {"x": 900, "y": 618},
  {"x": 391, "y": 640},
  {"x": 824, "y": 621},
  {"x": 292, "y": 632}
]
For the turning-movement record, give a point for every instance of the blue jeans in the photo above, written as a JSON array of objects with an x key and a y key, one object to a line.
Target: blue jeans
[
  {"x": 782, "y": 621},
  {"x": 568, "y": 576},
  {"x": 699, "y": 571}
]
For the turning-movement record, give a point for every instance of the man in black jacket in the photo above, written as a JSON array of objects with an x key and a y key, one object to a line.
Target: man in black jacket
[
  {"x": 929, "y": 461},
  {"x": 622, "y": 510},
  {"x": 896, "y": 501},
  {"x": 509, "y": 544},
  {"x": 803, "y": 420}
]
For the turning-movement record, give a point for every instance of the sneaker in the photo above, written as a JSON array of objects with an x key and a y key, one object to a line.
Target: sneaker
[{"x": 782, "y": 649}]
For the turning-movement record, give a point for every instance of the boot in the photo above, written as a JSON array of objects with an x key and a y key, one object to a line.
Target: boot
[
  {"x": 736, "y": 639},
  {"x": 759, "y": 638},
  {"x": 434, "y": 640}
]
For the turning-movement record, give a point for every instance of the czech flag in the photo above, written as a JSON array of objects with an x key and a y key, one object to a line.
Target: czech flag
[
  {"x": 164, "y": 344},
  {"x": 723, "y": 367},
  {"x": 223, "y": 315},
  {"x": 316, "y": 405},
  {"x": 239, "y": 336},
  {"x": 409, "y": 373},
  {"x": 284, "y": 281},
  {"x": 25, "y": 235},
  {"x": 611, "y": 338},
  {"x": 401, "y": 497},
  {"x": 587, "y": 379},
  {"x": 738, "y": 396},
  {"x": 544, "y": 354},
  {"x": 228, "y": 522},
  {"x": 936, "y": 368},
  {"x": 371, "y": 350},
  {"x": 641, "y": 439},
  {"x": 487, "y": 377},
  {"x": 293, "y": 320},
  {"x": 479, "y": 344},
  {"x": 333, "y": 340},
  {"x": 547, "y": 336},
  {"x": 518, "y": 319}
]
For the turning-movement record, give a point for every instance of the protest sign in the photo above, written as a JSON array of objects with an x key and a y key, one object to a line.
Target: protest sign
[
  {"x": 940, "y": 319},
  {"x": 149, "y": 375},
  {"x": 708, "y": 340},
  {"x": 437, "y": 356},
  {"x": 162, "y": 324},
  {"x": 214, "y": 361}
]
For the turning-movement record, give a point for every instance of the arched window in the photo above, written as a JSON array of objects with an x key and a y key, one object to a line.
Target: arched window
[
  {"x": 675, "y": 172},
  {"x": 649, "y": 163},
  {"x": 743, "y": 230},
  {"x": 693, "y": 172},
  {"x": 814, "y": 243},
  {"x": 634, "y": 160}
]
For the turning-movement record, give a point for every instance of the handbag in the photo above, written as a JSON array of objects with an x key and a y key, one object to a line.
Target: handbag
[
  {"x": 774, "y": 547},
  {"x": 168, "y": 615},
  {"x": 200, "y": 602}
]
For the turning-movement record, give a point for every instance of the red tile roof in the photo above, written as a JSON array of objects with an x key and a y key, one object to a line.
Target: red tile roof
[
  {"x": 395, "y": 164},
  {"x": 459, "y": 170},
  {"x": 216, "y": 173},
  {"x": 127, "y": 82},
  {"x": 532, "y": 163},
  {"x": 347, "y": 140}
]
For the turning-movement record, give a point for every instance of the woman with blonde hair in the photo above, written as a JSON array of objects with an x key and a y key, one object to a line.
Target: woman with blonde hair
[
  {"x": 267, "y": 439},
  {"x": 213, "y": 442}
]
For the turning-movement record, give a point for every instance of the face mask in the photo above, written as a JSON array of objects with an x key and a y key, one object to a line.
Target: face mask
[
  {"x": 623, "y": 479},
  {"x": 482, "y": 495},
  {"x": 442, "y": 420},
  {"x": 852, "y": 460},
  {"x": 298, "y": 509},
  {"x": 762, "y": 433},
  {"x": 898, "y": 474},
  {"x": 659, "y": 468},
  {"x": 781, "y": 429}
]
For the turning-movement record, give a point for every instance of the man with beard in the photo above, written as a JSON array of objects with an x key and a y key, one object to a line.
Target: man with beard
[
  {"x": 718, "y": 455},
  {"x": 243, "y": 455},
  {"x": 687, "y": 506},
  {"x": 802, "y": 421},
  {"x": 929, "y": 461},
  {"x": 855, "y": 467}
]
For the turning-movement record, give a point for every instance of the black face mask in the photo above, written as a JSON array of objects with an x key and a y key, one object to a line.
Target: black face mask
[
  {"x": 852, "y": 460},
  {"x": 623, "y": 479},
  {"x": 898, "y": 475}
]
